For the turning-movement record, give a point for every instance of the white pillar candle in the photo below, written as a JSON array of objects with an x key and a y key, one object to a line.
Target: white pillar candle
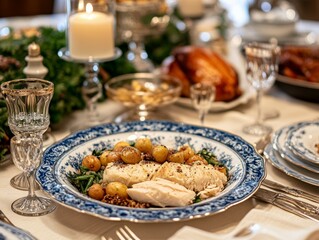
[
  {"x": 190, "y": 8},
  {"x": 91, "y": 34}
]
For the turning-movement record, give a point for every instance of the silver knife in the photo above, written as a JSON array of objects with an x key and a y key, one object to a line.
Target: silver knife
[
  {"x": 292, "y": 205},
  {"x": 292, "y": 191}
]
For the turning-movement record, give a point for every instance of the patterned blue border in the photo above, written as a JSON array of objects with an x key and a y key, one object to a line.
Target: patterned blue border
[
  {"x": 297, "y": 147},
  {"x": 17, "y": 232},
  {"x": 281, "y": 146},
  {"x": 290, "y": 169},
  {"x": 253, "y": 175}
]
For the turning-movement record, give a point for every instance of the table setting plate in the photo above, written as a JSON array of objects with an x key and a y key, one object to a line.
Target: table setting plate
[
  {"x": 246, "y": 168},
  {"x": 301, "y": 141},
  {"x": 13, "y": 233},
  {"x": 279, "y": 143},
  {"x": 290, "y": 169}
]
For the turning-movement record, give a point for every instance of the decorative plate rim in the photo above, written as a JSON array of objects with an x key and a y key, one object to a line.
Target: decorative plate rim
[
  {"x": 243, "y": 190},
  {"x": 276, "y": 161},
  {"x": 306, "y": 154},
  {"x": 18, "y": 232},
  {"x": 289, "y": 156}
]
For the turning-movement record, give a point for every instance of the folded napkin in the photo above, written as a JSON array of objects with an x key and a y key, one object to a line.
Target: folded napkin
[{"x": 269, "y": 225}]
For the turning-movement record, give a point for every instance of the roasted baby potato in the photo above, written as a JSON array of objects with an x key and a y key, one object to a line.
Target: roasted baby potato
[
  {"x": 160, "y": 153},
  {"x": 131, "y": 155},
  {"x": 96, "y": 191},
  {"x": 144, "y": 145},
  {"x": 187, "y": 151},
  {"x": 116, "y": 188},
  {"x": 120, "y": 145},
  {"x": 196, "y": 158},
  {"x": 177, "y": 157},
  {"x": 109, "y": 156},
  {"x": 92, "y": 163}
]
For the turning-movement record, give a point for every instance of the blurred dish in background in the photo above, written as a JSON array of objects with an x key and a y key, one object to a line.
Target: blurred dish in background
[
  {"x": 273, "y": 18},
  {"x": 299, "y": 89},
  {"x": 248, "y": 34},
  {"x": 300, "y": 62},
  {"x": 196, "y": 64},
  {"x": 299, "y": 72}
]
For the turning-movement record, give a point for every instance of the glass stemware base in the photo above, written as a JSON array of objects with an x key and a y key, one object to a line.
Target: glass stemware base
[
  {"x": 257, "y": 129},
  {"x": 32, "y": 206}
]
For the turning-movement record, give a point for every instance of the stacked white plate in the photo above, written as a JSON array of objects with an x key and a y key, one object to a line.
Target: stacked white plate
[{"x": 293, "y": 150}]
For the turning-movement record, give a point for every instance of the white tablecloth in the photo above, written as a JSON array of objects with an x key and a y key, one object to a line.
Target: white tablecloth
[{"x": 65, "y": 223}]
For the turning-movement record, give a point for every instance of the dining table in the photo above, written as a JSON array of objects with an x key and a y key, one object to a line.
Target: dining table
[{"x": 68, "y": 223}]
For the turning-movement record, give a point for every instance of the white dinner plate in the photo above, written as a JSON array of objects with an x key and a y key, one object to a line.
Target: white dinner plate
[
  {"x": 280, "y": 144},
  {"x": 290, "y": 169},
  {"x": 9, "y": 232},
  {"x": 246, "y": 168},
  {"x": 302, "y": 140}
]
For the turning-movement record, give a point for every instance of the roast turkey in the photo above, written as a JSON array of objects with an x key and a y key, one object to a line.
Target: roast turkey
[{"x": 197, "y": 64}]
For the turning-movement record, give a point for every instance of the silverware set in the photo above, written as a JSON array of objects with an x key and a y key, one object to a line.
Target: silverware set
[
  {"x": 289, "y": 204},
  {"x": 289, "y": 190}
]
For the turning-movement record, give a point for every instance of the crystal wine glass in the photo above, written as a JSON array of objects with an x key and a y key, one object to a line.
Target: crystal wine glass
[
  {"x": 262, "y": 65},
  {"x": 202, "y": 96},
  {"x": 28, "y": 103}
]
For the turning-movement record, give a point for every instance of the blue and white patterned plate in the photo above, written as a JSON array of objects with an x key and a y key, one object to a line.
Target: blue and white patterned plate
[
  {"x": 302, "y": 140},
  {"x": 246, "y": 168},
  {"x": 9, "y": 232},
  {"x": 290, "y": 169},
  {"x": 280, "y": 145}
]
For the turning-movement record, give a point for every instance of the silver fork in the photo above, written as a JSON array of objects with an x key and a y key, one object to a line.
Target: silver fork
[{"x": 123, "y": 233}]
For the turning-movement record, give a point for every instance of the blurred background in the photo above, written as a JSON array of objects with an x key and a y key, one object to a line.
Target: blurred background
[{"x": 237, "y": 9}]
